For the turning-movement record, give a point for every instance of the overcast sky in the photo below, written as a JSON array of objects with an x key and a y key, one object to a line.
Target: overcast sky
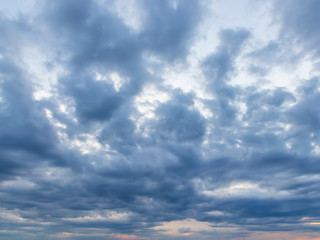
[{"x": 155, "y": 119}]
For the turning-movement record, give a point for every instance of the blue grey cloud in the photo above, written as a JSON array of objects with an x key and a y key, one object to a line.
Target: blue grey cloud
[
  {"x": 99, "y": 157},
  {"x": 299, "y": 23}
]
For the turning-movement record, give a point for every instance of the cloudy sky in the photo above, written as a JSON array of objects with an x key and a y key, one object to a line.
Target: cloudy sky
[{"x": 156, "y": 119}]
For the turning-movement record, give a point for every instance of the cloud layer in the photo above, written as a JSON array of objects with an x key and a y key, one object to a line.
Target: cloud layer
[{"x": 159, "y": 120}]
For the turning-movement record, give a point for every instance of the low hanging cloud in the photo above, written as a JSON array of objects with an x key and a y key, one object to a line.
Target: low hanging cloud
[{"x": 96, "y": 141}]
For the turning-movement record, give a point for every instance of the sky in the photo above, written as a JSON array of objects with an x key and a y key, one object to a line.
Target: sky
[{"x": 160, "y": 119}]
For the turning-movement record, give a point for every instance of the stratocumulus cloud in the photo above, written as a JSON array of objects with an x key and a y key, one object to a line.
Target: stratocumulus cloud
[{"x": 159, "y": 119}]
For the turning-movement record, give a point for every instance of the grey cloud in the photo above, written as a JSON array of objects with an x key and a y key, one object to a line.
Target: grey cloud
[
  {"x": 94, "y": 100},
  {"x": 170, "y": 30},
  {"x": 119, "y": 133},
  {"x": 24, "y": 127},
  {"x": 179, "y": 123},
  {"x": 218, "y": 68},
  {"x": 177, "y": 165},
  {"x": 273, "y": 54},
  {"x": 97, "y": 40},
  {"x": 219, "y": 65},
  {"x": 299, "y": 23}
]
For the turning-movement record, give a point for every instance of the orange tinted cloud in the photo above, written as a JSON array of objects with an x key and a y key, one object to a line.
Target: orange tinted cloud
[
  {"x": 125, "y": 236},
  {"x": 186, "y": 234}
]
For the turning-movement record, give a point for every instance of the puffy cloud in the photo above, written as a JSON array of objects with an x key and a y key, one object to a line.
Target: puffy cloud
[{"x": 94, "y": 142}]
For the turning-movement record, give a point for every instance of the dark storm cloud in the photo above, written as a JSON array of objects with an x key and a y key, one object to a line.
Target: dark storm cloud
[{"x": 252, "y": 163}]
